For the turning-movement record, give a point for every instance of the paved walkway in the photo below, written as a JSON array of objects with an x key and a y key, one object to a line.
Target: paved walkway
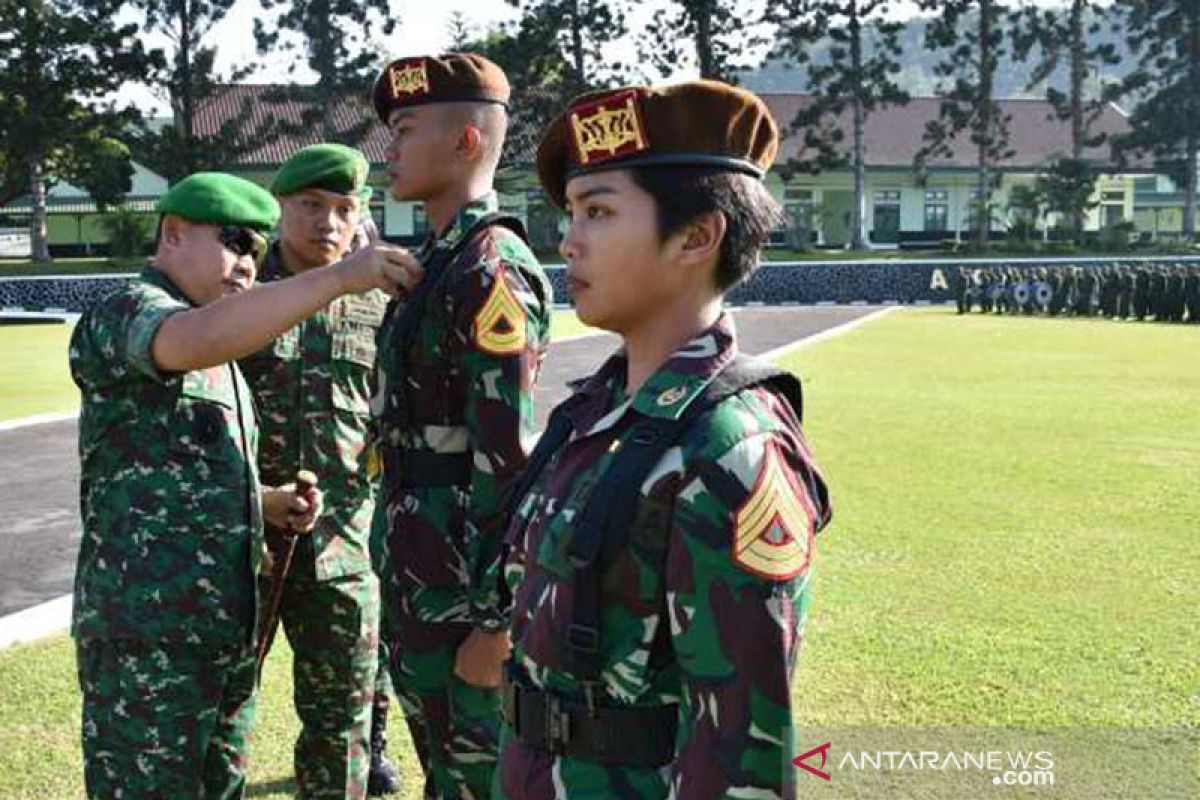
[{"x": 39, "y": 469}]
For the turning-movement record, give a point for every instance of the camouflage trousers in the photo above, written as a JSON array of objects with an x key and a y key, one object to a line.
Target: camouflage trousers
[
  {"x": 165, "y": 720},
  {"x": 454, "y": 725},
  {"x": 333, "y": 629}
]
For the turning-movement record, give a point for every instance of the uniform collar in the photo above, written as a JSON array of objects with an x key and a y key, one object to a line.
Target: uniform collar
[
  {"x": 667, "y": 393},
  {"x": 467, "y": 216},
  {"x": 272, "y": 268},
  {"x": 156, "y": 277}
]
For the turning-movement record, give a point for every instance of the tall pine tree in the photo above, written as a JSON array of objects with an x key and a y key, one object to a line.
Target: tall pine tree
[
  {"x": 58, "y": 59},
  {"x": 189, "y": 80},
  {"x": 1165, "y": 35},
  {"x": 709, "y": 35},
  {"x": 971, "y": 33},
  {"x": 859, "y": 75},
  {"x": 332, "y": 38},
  {"x": 1067, "y": 37},
  {"x": 580, "y": 28}
]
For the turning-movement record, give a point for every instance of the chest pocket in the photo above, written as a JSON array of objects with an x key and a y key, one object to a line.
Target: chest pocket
[
  {"x": 353, "y": 350},
  {"x": 205, "y": 422}
]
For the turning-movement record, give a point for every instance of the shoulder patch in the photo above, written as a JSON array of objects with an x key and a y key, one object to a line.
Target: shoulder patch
[
  {"x": 499, "y": 327},
  {"x": 773, "y": 528}
]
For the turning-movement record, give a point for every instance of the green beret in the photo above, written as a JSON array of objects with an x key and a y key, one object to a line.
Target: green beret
[
  {"x": 215, "y": 198},
  {"x": 332, "y": 167}
]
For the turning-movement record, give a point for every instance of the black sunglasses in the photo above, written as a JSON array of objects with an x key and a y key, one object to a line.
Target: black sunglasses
[{"x": 243, "y": 242}]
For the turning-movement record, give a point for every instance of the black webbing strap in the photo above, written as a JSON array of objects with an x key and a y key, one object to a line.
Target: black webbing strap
[
  {"x": 396, "y": 412},
  {"x": 603, "y": 525}
]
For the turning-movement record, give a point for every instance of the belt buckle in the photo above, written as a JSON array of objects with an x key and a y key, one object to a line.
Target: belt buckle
[{"x": 558, "y": 726}]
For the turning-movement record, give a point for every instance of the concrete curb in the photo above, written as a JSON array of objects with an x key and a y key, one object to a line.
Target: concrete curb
[
  {"x": 37, "y": 622},
  {"x": 37, "y": 419},
  {"x": 830, "y": 333}
]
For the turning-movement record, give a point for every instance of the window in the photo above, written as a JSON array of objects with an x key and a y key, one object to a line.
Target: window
[
  {"x": 796, "y": 193},
  {"x": 937, "y": 210},
  {"x": 887, "y": 197},
  {"x": 1146, "y": 185},
  {"x": 1118, "y": 197}
]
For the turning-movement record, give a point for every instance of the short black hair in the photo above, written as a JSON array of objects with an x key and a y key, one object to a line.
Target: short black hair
[{"x": 683, "y": 193}]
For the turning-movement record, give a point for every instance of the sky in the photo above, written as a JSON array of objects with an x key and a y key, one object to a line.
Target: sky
[{"x": 422, "y": 29}]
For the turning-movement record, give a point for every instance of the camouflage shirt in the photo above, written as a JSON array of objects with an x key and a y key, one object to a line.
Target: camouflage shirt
[
  {"x": 705, "y": 606},
  {"x": 466, "y": 387},
  {"x": 312, "y": 386},
  {"x": 172, "y": 526}
]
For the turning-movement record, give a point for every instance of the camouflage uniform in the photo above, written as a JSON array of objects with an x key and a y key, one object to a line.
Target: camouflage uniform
[
  {"x": 313, "y": 385},
  {"x": 164, "y": 616},
  {"x": 462, "y": 396},
  {"x": 704, "y": 630}
]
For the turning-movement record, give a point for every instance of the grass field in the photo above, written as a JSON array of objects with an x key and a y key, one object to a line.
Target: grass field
[
  {"x": 33, "y": 366},
  {"x": 33, "y": 371},
  {"x": 1014, "y": 543}
]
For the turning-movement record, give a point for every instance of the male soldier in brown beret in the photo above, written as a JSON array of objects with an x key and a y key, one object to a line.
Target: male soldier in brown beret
[
  {"x": 663, "y": 536},
  {"x": 457, "y": 364}
]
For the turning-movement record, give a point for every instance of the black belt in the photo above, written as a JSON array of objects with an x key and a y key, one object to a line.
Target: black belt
[
  {"x": 642, "y": 737},
  {"x": 423, "y": 468}
]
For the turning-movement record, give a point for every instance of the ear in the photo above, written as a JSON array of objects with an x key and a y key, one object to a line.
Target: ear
[
  {"x": 173, "y": 231},
  {"x": 700, "y": 240},
  {"x": 470, "y": 141}
]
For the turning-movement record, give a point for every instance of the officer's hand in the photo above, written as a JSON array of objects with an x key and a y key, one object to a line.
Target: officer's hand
[
  {"x": 480, "y": 658},
  {"x": 286, "y": 508},
  {"x": 380, "y": 266}
]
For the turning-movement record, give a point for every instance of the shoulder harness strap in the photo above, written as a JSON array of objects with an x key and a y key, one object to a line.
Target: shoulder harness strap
[
  {"x": 604, "y": 524},
  {"x": 436, "y": 274}
]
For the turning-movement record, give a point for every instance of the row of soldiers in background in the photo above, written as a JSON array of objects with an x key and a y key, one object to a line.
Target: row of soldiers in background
[{"x": 1120, "y": 291}]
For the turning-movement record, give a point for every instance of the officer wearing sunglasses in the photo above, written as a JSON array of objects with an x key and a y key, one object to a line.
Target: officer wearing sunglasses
[{"x": 165, "y": 594}]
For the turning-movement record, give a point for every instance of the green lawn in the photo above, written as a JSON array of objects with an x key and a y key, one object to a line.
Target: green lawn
[
  {"x": 33, "y": 371},
  {"x": 1014, "y": 543},
  {"x": 1014, "y": 537}
]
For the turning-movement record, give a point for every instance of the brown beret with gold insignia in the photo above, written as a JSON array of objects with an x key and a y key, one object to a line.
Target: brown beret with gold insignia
[
  {"x": 449, "y": 78},
  {"x": 694, "y": 124}
]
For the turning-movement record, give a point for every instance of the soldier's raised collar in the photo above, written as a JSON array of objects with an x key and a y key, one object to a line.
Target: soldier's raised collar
[
  {"x": 683, "y": 376},
  {"x": 156, "y": 277},
  {"x": 467, "y": 216}
]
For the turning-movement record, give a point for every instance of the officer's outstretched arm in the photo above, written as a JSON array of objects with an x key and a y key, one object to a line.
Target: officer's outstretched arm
[
  {"x": 237, "y": 325},
  {"x": 738, "y": 570}
]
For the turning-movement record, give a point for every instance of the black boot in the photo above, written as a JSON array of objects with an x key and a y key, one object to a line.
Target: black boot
[{"x": 384, "y": 778}]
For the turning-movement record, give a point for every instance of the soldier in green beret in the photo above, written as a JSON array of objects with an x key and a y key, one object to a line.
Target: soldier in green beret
[
  {"x": 165, "y": 602},
  {"x": 663, "y": 538},
  {"x": 458, "y": 361},
  {"x": 312, "y": 386}
]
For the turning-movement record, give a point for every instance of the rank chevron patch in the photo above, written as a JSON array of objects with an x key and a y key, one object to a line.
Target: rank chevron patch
[
  {"x": 773, "y": 528},
  {"x": 499, "y": 327}
]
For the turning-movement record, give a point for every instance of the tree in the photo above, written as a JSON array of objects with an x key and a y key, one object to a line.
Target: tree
[
  {"x": 459, "y": 31},
  {"x": 1165, "y": 35},
  {"x": 709, "y": 34},
  {"x": 1068, "y": 36},
  {"x": 127, "y": 232},
  {"x": 971, "y": 33},
  {"x": 859, "y": 73},
  {"x": 580, "y": 29},
  {"x": 58, "y": 59},
  {"x": 185, "y": 74},
  {"x": 333, "y": 38}
]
